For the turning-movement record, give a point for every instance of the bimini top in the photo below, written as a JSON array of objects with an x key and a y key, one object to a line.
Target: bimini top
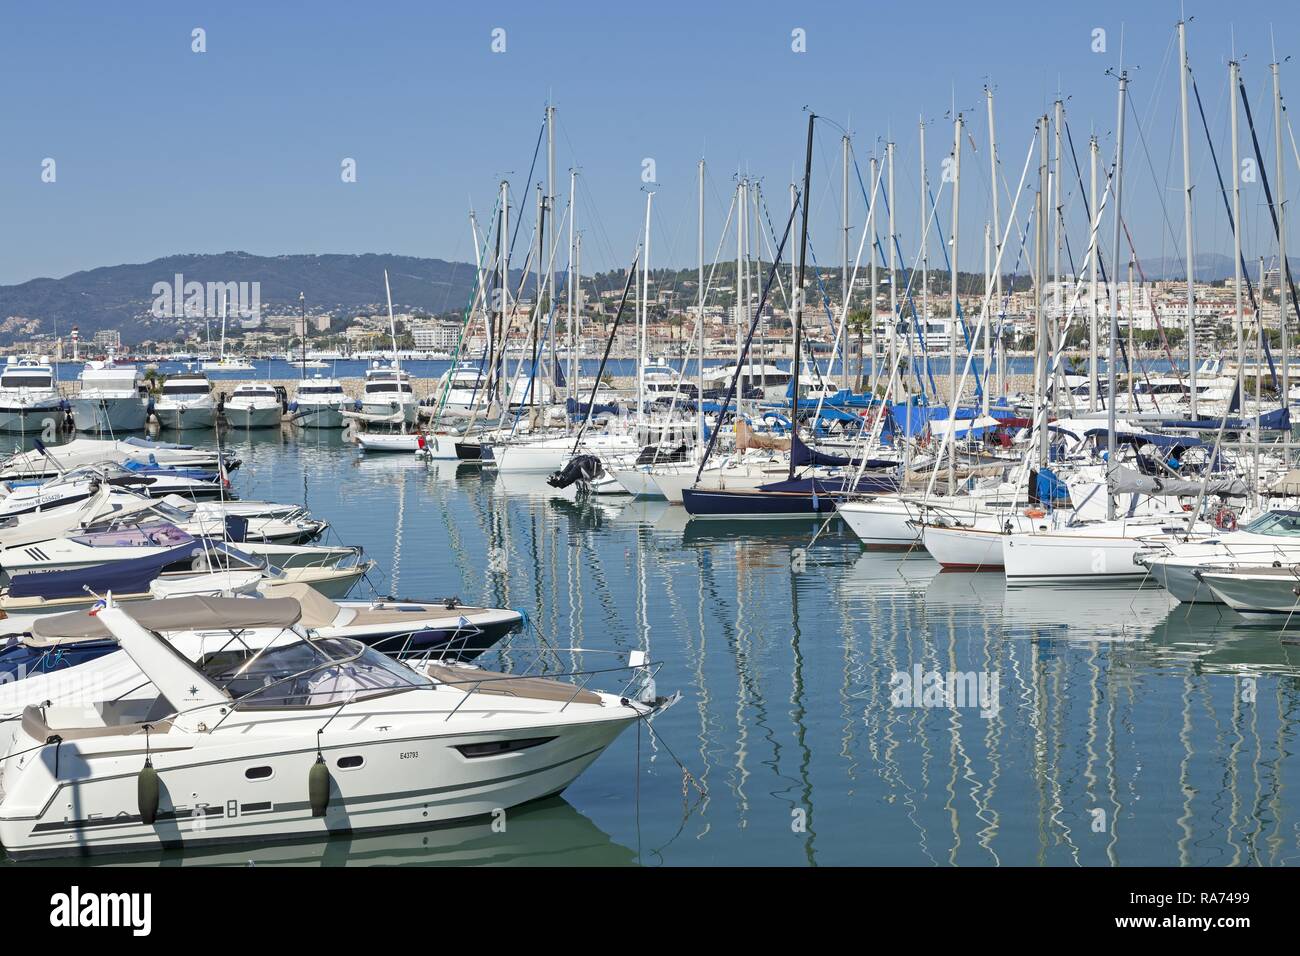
[{"x": 173, "y": 614}]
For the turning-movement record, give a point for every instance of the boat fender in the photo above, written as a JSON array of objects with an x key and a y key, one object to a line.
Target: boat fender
[
  {"x": 146, "y": 790},
  {"x": 318, "y": 786}
]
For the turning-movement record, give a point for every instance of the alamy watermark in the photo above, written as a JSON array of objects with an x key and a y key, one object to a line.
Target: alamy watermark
[
  {"x": 179, "y": 299},
  {"x": 945, "y": 690}
]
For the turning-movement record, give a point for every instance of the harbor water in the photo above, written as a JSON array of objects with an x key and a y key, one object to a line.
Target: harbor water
[{"x": 1100, "y": 726}]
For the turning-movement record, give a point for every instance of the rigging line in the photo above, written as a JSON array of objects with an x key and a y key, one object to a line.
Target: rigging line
[
  {"x": 1245, "y": 271},
  {"x": 749, "y": 338},
  {"x": 1284, "y": 268},
  {"x": 1155, "y": 181}
]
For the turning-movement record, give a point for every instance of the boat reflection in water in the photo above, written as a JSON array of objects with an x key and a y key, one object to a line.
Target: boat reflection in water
[{"x": 541, "y": 834}]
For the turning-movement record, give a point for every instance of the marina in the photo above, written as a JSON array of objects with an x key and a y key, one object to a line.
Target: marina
[{"x": 655, "y": 442}]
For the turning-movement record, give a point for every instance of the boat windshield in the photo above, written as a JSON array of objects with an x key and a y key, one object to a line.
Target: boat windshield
[
  {"x": 323, "y": 672},
  {"x": 1282, "y": 524}
]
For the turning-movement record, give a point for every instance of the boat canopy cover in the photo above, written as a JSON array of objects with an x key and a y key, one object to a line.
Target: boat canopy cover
[
  {"x": 575, "y": 407},
  {"x": 129, "y": 576},
  {"x": 317, "y": 609},
  {"x": 802, "y": 455},
  {"x": 174, "y": 614},
  {"x": 1128, "y": 481},
  {"x": 1137, "y": 439}
]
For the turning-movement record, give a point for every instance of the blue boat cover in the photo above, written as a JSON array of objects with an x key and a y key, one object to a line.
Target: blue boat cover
[{"x": 131, "y": 576}]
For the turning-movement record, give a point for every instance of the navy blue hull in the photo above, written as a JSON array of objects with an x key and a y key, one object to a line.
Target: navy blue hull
[{"x": 756, "y": 504}]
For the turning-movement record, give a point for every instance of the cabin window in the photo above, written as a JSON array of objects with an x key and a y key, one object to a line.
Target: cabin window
[
  {"x": 350, "y": 763},
  {"x": 259, "y": 773}
]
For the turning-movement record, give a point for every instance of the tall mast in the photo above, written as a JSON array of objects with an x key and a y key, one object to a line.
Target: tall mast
[
  {"x": 1284, "y": 271},
  {"x": 952, "y": 282},
  {"x": 699, "y": 309},
  {"x": 893, "y": 260},
  {"x": 988, "y": 288},
  {"x": 1111, "y": 445},
  {"x": 875, "y": 287},
  {"x": 844, "y": 257},
  {"x": 1040, "y": 299},
  {"x": 997, "y": 240},
  {"x": 549, "y": 245},
  {"x": 539, "y": 347},
  {"x": 798, "y": 289},
  {"x": 1058, "y": 328},
  {"x": 923, "y": 236},
  {"x": 1183, "y": 70},
  {"x": 503, "y": 292},
  {"x": 302, "y": 307},
  {"x": 645, "y": 310},
  {"x": 740, "y": 277},
  {"x": 1236, "y": 246},
  {"x": 572, "y": 285},
  {"x": 1093, "y": 150}
]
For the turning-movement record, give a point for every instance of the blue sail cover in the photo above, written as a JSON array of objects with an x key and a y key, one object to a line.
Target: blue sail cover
[
  {"x": 1277, "y": 420},
  {"x": 575, "y": 407},
  {"x": 132, "y": 576}
]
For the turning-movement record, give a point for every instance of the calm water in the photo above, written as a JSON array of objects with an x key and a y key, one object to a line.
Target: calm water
[{"x": 1126, "y": 731}]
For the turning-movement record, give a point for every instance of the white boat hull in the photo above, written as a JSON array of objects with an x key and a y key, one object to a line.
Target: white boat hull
[
  {"x": 319, "y": 416},
  {"x": 252, "y": 416},
  {"x": 185, "y": 417},
  {"x": 31, "y": 420},
  {"x": 109, "y": 415}
]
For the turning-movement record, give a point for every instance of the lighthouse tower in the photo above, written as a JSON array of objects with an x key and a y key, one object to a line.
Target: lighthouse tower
[{"x": 74, "y": 343}]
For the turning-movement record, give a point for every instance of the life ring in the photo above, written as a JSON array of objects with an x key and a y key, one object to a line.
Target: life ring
[
  {"x": 1035, "y": 513},
  {"x": 1225, "y": 520}
]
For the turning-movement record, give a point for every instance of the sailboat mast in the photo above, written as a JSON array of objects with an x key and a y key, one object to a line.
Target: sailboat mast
[
  {"x": 1236, "y": 247},
  {"x": 573, "y": 342},
  {"x": 797, "y": 293},
  {"x": 1041, "y": 347},
  {"x": 503, "y": 292},
  {"x": 893, "y": 262},
  {"x": 875, "y": 287},
  {"x": 1111, "y": 445},
  {"x": 844, "y": 257},
  {"x": 1183, "y": 70},
  {"x": 645, "y": 310},
  {"x": 549, "y": 246},
  {"x": 997, "y": 240},
  {"x": 952, "y": 282},
  {"x": 1093, "y": 151},
  {"x": 1284, "y": 270},
  {"x": 699, "y": 309}
]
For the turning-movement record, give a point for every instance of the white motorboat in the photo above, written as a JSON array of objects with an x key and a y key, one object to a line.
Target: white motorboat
[
  {"x": 387, "y": 393},
  {"x": 1173, "y": 561},
  {"x": 229, "y": 748},
  {"x": 111, "y": 399},
  {"x": 461, "y": 392},
  {"x": 30, "y": 403},
  {"x": 399, "y": 442},
  {"x": 1267, "y": 592},
  {"x": 252, "y": 405},
  {"x": 546, "y": 455},
  {"x": 186, "y": 402},
  {"x": 320, "y": 403},
  {"x": 50, "y": 461}
]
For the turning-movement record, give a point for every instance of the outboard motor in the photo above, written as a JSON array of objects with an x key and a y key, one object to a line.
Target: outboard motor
[{"x": 583, "y": 468}]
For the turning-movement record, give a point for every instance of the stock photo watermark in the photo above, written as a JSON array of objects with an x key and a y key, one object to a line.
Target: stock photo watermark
[{"x": 946, "y": 690}]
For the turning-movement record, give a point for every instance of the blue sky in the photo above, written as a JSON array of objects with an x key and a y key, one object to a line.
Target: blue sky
[{"x": 161, "y": 150}]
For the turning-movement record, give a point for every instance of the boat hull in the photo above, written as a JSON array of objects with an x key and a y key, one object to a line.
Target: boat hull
[
  {"x": 755, "y": 505},
  {"x": 406, "y": 780},
  {"x": 109, "y": 415},
  {"x": 248, "y": 417},
  {"x": 30, "y": 420},
  {"x": 185, "y": 417}
]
